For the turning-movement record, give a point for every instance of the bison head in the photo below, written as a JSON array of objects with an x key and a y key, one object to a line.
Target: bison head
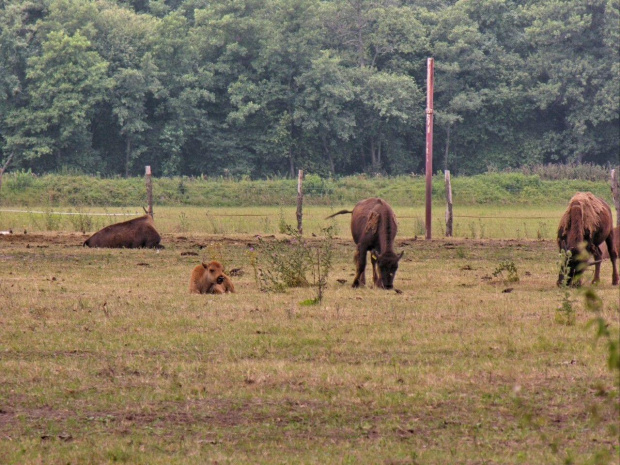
[
  {"x": 214, "y": 272},
  {"x": 385, "y": 266},
  {"x": 573, "y": 262}
]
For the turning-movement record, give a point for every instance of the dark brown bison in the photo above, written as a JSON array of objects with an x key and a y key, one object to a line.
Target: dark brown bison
[
  {"x": 132, "y": 234},
  {"x": 373, "y": 226},
  {"x": 586, "y": 222},
  {"x": 209, "y": 278}
]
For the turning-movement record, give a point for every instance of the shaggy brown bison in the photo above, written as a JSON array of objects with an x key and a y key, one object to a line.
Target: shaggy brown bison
[
  {"x": 209, "y": 278},
  {"x": 132, "y": 234},
  {"x": 587, "y": 221},
  {"x": 373, "y": 226}
]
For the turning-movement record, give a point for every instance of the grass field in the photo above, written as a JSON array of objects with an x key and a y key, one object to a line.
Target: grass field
[
  {"x": 105, "y": 357},
  {"x": 472, "y": 222}
]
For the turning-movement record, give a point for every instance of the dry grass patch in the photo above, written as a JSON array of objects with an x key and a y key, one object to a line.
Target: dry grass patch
[{"x": 104, "y": 356}]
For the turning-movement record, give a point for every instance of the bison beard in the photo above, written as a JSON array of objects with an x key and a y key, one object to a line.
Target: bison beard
[
  {"x": 133, "y": 234},
  {"x": 373, "y": 226},
  {"x": 587, "y": 220},
  {"x": 209, "y": 278}
]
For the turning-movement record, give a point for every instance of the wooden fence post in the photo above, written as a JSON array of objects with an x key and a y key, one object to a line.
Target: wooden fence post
[
  {"x": 616, "y": 193},
  {"x": 430, "y": 81},
  {"x": 449, "y": 217},
  {"x": 3, "y": 169},
  {"x": 149, "y": 190},
  {"x": 300, "y": 201}
]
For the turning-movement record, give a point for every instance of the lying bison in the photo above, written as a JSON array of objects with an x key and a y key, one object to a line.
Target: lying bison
[
  {"x": 586, "y": 222},
  {"x": 132, "y": 234},
  {"x": 373, "y": 226},
  {"x": 209, "y": 278}
]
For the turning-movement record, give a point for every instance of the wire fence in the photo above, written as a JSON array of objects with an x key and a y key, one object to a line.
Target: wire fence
[{"x": 42, "y": 212}]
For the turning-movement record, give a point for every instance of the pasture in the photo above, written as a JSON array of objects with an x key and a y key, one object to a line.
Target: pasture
[{"x": 105, "y": 356}]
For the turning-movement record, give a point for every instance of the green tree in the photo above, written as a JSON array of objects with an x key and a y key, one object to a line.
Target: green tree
[
  {"x": 325, "y": 107},
  {"x": 480, "y": 104},
  {"x": 64, "y": 85},
  {"x": 575, "y": 80},
  {"x": 17, "y": 44}
]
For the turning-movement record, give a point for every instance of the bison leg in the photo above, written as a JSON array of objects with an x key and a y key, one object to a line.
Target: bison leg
[
  {"x": 597, "y": 271},
  {"x": 376, "y": 279},
  {"x": 217, "y": 289},
  {"x": 613, "y": 255},
  {"x": 360, "y": 264}
]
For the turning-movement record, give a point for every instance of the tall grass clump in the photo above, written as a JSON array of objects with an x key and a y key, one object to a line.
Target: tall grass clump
[
  {"x": 81, "y": 221},
  {"x": 574, "y": 171},
  {"x": 293, "y": 262}
]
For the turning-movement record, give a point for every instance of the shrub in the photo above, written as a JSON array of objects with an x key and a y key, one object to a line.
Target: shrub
[
  {"x": 512, "y": 275},
  {"x": 293, "y": 262}
]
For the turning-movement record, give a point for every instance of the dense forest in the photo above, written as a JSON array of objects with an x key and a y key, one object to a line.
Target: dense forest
[{"x": 259, "y": 88}]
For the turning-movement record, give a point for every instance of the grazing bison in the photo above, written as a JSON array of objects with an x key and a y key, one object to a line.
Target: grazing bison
[
  {"x": 373, "y": 226},
  {"x": 132, "y": 234},
  {"x": 209, "y": 278},
  {"x": 587, "y": 220}
]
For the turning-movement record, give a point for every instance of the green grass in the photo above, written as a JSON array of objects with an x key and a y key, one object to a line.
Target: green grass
[
  {"x": 105, "y": 357},
  {"x": 473, "y": 222},
  {"x": 24, "y": 189}
]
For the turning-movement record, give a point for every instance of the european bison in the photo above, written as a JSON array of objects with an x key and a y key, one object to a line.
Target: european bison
[
  {"x": 373, "y": 226},
  {"x": 132, "y": 234},
  {"x": 209, "y": 278},
  {"x": 588, "y": 221}
]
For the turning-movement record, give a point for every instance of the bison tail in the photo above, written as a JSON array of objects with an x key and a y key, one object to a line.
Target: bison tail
[{"x": 341, "y": 212}]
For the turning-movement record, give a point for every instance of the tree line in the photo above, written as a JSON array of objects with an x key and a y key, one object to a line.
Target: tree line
[{"x": 259, "y": 88}]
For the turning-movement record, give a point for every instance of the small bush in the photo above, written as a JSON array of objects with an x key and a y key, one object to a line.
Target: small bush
[
  {"x": 81, "y": 222},
  {"x": 183, "y": 223},
  {"x": 512, "y": 275},
  {"x": 20, "y": 180},
  {"x": 52, "y": 220},
  {"x": 293, "y": 262}
]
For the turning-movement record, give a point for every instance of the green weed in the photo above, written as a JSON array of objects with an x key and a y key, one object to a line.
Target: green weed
[
  {"x": 81, "y": 221},
  {"x": 183, "y": 223},
  {"x": 508, "y": 266},
  {"x": 288, "y": 263}
]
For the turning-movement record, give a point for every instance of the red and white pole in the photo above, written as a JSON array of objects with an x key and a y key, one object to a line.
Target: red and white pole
[{"x": 430, "y": 78}]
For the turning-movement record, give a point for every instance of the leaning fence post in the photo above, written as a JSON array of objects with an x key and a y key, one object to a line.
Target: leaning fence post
[
  {"x": 616, "y": 193},
  {"x": 300, "y": 201},
  {"x": 449, "y": 217},
  {"x": 149, "y": 190}
]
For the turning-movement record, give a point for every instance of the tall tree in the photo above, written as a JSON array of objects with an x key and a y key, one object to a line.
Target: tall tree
[
  {"x": 64, "y": 85},
  {"x": 325, "y": 111},
  {"x": 574, "y": 68}
]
